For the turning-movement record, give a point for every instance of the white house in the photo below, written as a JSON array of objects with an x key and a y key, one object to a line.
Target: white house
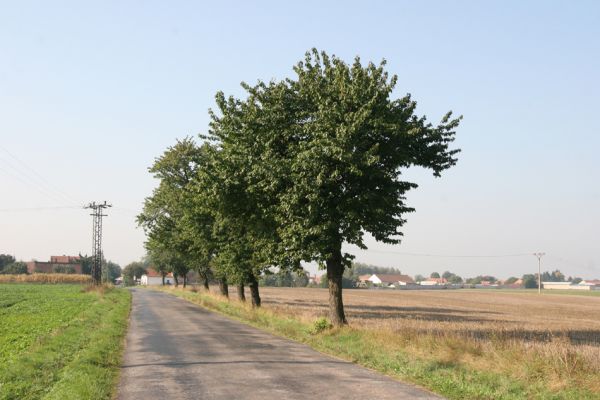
[
  {"x": 434, "y": 282},
  {"x": 571, "y": 286},
  {"x": 153, "y": 277},
  {"x": 391, "y": 280}
]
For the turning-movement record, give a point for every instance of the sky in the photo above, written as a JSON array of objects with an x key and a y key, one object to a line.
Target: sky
[{"x": 92, "y": 92}]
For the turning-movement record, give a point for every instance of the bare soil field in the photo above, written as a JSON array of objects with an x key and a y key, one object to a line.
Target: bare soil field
[{"x": 475, "y": 313}]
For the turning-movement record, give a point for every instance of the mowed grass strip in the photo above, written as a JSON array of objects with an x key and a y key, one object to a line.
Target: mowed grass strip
[
  {"x": 60, "y": 341},
  {"x": 453, "y": 366}
]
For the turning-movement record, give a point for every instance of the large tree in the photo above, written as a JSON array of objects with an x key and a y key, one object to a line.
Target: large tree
[{"x": 324, "y": 152}]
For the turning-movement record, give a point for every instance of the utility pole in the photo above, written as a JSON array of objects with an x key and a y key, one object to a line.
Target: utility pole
[
  {"x": 539, "y": 257},
  {"x": 97, "y": 213}
]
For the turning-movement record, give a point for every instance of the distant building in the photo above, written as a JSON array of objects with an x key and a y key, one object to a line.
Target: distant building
[
  {"x": 571, "y": 286},
  {"x": 391, "y": 280},
  {"x": 434, "y": 282},
  {"x": 56, "y": 263},
  {"x": 153, "y": 278},
  {"x": 595, "y": 282}
]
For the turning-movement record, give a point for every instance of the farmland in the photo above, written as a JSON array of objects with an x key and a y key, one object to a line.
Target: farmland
[
  {"x": 60, "y": 341},
  {"x": 461, "y": 344}
]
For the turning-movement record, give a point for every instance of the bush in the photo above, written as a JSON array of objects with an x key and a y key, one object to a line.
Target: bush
[
  {"x": 15, "y": 268},
  {"x": 320, "y": 325},
  {"x": 63, "y": 269}
]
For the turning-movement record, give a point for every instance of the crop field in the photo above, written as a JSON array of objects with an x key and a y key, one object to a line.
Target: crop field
[
  {"x": 60, "y": 341},
  {"x": 483, "y": 314}
]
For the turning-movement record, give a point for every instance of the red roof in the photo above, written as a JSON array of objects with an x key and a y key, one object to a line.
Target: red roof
[{"x": 151, "y": 272}]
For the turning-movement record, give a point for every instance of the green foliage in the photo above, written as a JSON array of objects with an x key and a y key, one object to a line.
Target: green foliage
[
  {"x": 16, "y": 267},
  {"x": 292, "y": 171},
  {"x": 320, "y": 325},
  {"x": 135, "y": 269},
  {"x": 63, "y": 269},
  {"x": 452, "y": 277},
  {"x": 356, "y": 269},
  {"x": 284, "y": 278},
  {"x": 86, "y": 264},
  {"x": 57, "y": 339},
  {"x": 435, "y": 275},
  {"x": 5, "y": 260},
  {"x": 480, "y": 278},
  {"x": 553, "y": 276},
  {"x": 530, "y": 281},
  {"x": 110, "y": 271},
  {"x": 511, "y": 280},
  {"x": 419, "y": 278}
]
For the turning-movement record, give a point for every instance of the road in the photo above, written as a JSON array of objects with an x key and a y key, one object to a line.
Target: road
[{"x": 178, "y": 350}]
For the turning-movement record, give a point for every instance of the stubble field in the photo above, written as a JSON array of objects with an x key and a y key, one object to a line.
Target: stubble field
[
  {"x": 480, "y": 314},
  {"x": 549, "y": 343}
]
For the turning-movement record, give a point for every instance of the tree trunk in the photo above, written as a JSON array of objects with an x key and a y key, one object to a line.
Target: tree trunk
[
  {"x": 205, "y": 279},
  {"x": 254, "y": 291},
  {"x": 176, "y": 280},
  {"x": 163, "y": 279},
  {"x": 241, "y": 294},
  {"x": 184, "y": 280},
  {"x": 224, "y": 287},
  {"x": 335, "y": 269}
]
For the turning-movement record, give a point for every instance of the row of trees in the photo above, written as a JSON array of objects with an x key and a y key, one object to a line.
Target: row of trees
[{"x": 291, "y": 172}]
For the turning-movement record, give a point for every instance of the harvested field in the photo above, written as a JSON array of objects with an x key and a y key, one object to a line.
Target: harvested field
[{"x": 474, "y": 313}]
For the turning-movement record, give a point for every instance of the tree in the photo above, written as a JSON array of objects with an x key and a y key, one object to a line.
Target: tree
[
  {"x": 86, "y": 264},
  {"x": 530, "y": 281},
  {"x": 419, "y": 278},
  {"x": 328, "y": 148},
  {"x": 133, "y": 270},
  {"x": 511, "y": 280},
  {"x": 5, "y": 260},
  {"x": 15, "y": 268},
  {"x": 435, "y": 275},
  {"x": 452, "y": 277},
  {"x": 110, "y": 271},
  {"x": 481, "y": 278},
  {"x": 300, "y": 279},
  {"x": 554, "y": 276}
]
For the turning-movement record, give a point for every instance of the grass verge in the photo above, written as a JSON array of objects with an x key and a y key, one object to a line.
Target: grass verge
[
  {"x": 454, "y": 367},
  {"x": 61, "y": 341}
]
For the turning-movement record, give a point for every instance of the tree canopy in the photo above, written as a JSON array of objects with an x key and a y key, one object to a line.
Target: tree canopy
[{"x": 292, "y": 171}]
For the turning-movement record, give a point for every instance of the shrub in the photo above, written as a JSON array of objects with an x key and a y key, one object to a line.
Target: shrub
[
  {"x": 320, "y": 325},
  {"x": 15, "y": 268},
  {"x": 63, "y": 269}
]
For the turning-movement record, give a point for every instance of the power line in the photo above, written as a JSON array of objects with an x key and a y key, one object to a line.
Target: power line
[
  {"x": 33, "y": 175},
  {"x": 25, "y": 209},
  {"x": 448, "y": 255}
]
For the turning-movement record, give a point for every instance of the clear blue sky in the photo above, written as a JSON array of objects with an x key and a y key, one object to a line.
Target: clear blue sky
[{"x": 91, "y": 92}]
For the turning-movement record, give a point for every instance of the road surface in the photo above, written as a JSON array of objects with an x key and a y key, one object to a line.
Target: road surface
[{"x": 178, "y": 350}]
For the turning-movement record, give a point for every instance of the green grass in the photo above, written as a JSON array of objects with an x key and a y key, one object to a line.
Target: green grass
[
  {"x": 545, "y": 292},
  {"x": 444, "y": 373},
  {"x": 60, "y": 341}
]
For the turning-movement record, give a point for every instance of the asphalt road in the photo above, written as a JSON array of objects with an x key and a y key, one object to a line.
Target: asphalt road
[{"x": 177, "y": 350}]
